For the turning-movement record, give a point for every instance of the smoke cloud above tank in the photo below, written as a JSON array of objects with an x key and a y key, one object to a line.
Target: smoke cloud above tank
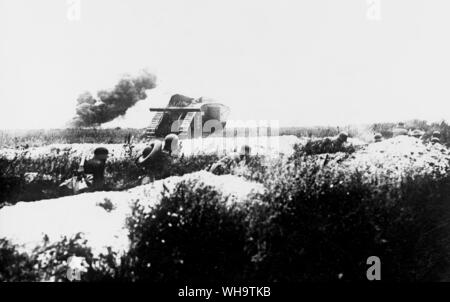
[{"x": 109, "y": 104}]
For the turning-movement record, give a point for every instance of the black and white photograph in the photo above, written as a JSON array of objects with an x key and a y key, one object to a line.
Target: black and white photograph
[{"x": 236, "y": 144}]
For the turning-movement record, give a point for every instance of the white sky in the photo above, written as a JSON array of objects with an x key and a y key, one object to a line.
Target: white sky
[{"x": 302, "y": 62}]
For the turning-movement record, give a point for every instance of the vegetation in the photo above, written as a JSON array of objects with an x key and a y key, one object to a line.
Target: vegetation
[
  {"x": 318, "y": 220},
  {"x": 313, "y": 223},
  {"x": 36, "y": 138},
  {"x": 191, "y": 236},
  {"x": 324, "y": 145},
  {"x": 40, "y": 137},
  {"x": 49, "y": 262},
  {"x": 17, "y": 184}
]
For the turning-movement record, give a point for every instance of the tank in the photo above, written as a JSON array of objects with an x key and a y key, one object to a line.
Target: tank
[{"x": 188, "y": 117}]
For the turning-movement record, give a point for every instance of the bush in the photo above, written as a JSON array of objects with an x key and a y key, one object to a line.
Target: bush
[
  {"x": 49, "y": 262},
  {"x": 17, "y": 184},
  {"x": 10, "y": 185},
  {"x": 312, "y": 224},
  {"x": 15, "y": 266},
  {"x": 322, "y": 146},
  {"x": 191, "y": 236},
  {"x": 321, "y": 224}
]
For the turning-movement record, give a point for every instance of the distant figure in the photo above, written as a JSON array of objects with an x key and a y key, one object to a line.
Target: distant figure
[
  {"x": 155, "y": 158},
  {"x": 336, "y": 143},
  {"x": 224, "y": 165},
  {"x": 436, "y": 134},
  {"x": 342, "y": 137},
  {"x": 399, "y": 130},
  {"x": 416, "y": 133},
  {"x": 171, "y": 144},
  {"x": 378, "y": 137},
  {"x": 89, "y": 177},
  {"x": 436, "y": 137},
  {"x": 94, "y": 169}
]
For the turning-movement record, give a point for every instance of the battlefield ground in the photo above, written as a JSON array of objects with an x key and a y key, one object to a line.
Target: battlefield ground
[{"x": 302, "y": 208}]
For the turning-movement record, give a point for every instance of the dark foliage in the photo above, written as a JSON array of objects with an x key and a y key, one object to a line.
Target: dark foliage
[{"x": 191, "y": 236}]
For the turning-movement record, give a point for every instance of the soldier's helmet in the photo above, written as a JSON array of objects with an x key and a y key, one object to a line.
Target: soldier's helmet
[
  {"x": 435, "y": 140},
  {"x": 151, "y": 152},
  {"x": 399, "y": 130},
  {"x": 101, "y": 153},
  {"x": 146, "y": 152},
  {"x": 245, "y": 150},
  {"x": 378, "y": 137},
  {"x": 171, "y": 143},
  {"x": 342, "y": 137},
  {"x": 416, "y": 133}
]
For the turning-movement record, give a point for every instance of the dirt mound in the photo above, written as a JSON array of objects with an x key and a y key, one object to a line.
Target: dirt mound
[{"x": 395, "y": 158}]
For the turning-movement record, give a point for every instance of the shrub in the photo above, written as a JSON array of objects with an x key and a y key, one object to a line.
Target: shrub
[
  {"x": 17, "y": 184},
  {"x": 324, "y": 145},
  {"x": 321, "y": 224},
  {"x": 191, "y": 236},
  {"x": 15, "y": 266},
  {"x": 10, "y": 185},
  {"x": 49, "y": 262}
]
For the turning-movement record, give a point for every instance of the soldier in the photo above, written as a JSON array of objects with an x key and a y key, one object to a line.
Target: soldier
[
  {"x": 171, "y": 144},
  {"x": 400, "y": 130},
  {"x": 156, "y": 157},
  {"x": 436, "y": 134},
  {"x": 225, "y": 164},
  {"x": 336, "y": 143},
  {"x": 416, "y": 133},
  {"x": 342, "y": 137},
  {"x": 378, "y": 137},
  {"x": 436, "y": 137},
  {"x": 93, "y": 170}
]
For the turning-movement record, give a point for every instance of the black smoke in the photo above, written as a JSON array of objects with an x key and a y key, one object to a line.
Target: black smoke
[{"x": 110, "y": 104}]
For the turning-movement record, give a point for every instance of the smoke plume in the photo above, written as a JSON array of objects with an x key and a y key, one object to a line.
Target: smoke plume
[{"x": 110, "y": 104}]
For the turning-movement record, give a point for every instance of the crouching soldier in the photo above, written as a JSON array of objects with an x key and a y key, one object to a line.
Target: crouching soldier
[
  {"x": 417, "y": 133},
  {"x": 336, "y": 143},
  {"x": 399, "y": 130},
  {"x": 342, "y": 138},
  {"x": 378, "y": 137},
  {"x": 93, "y": 170},
  {"x": 156, "y": 158},
  {"x": 227, "y": 163},
  {"x": 90, "y": 175}
]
